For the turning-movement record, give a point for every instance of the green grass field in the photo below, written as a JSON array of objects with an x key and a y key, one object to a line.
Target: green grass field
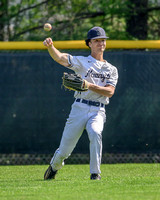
[{"x": 119, "y": 182}]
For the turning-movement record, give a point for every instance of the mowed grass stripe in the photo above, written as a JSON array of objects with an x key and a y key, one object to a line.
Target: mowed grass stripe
[{"x": 119, "y": 182}]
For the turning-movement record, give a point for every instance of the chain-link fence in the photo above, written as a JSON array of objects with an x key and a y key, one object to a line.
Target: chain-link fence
[{"x": 30, "y": 159}]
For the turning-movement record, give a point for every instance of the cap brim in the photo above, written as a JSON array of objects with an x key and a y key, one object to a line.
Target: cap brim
[{"x": 100, "y": 37}]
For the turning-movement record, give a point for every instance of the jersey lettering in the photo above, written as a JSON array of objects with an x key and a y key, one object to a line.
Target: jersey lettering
[{"x": 97, "y": 75}]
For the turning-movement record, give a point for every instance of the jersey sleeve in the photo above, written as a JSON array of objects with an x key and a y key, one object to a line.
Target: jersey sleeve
[
  {"x": 74, "y": 62},
  {"x": 113, "y": 79}
]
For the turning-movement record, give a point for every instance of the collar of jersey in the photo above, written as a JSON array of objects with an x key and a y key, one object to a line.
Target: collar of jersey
[{"x": 93, "y": 59}]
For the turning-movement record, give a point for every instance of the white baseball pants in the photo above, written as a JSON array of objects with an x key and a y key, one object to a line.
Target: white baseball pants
[{"x": 82, "y": 116}]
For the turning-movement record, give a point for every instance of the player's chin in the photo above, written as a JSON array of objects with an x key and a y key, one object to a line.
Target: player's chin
[{"x": 102, "y": 49}]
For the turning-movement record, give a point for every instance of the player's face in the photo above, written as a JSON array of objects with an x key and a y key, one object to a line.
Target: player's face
[{"x": 98, "y": 44}]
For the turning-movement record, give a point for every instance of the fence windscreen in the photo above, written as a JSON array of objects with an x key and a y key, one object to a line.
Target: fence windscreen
[{"x": 34, "y": 106}]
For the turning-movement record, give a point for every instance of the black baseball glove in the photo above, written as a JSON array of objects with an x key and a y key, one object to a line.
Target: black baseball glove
[{"x": 74, "y": 82}]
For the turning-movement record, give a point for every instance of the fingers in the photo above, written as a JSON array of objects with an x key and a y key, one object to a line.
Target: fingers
[{"x": 48, "y": 42}]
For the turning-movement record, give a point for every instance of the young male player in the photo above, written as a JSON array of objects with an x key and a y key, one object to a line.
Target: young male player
[{"x": 88, "y": 109}]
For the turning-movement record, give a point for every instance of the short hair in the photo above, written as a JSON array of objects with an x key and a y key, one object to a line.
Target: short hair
[{"x": 87, "y": 42}]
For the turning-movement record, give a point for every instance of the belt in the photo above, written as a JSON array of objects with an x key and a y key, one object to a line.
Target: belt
[{"x": 91, "y": 103}]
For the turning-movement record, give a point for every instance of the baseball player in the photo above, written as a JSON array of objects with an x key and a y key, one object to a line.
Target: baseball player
[{"x": 88, "y": 109}]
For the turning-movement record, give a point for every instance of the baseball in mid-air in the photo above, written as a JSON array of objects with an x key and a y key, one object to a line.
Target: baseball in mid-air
[{"x": 47, "y": 27}]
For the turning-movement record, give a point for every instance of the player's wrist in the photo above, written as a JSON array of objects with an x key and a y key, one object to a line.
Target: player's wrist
[{"x": 87, "y": 84}]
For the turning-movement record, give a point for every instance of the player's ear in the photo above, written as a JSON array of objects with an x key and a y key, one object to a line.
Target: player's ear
[{"x": 89, "y": 44}]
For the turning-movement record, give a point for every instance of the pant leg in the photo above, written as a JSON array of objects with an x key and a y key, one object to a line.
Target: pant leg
[
  {"x": 73, "y": 130},
  {"x": 94, "y": 129}
]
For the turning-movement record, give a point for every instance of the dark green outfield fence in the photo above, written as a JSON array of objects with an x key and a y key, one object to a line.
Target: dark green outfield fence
[{"x": 34, "y": 107}]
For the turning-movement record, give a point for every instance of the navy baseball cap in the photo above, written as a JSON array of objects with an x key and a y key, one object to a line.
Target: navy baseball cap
[{"x": 96, "y": 32}]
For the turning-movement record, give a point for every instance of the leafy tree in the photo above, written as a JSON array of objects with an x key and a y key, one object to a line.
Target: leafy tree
[
  {"x": 137, "y": 24},
  {"x": 71, "y": 19},
  {"x": 143, "y": 19}
]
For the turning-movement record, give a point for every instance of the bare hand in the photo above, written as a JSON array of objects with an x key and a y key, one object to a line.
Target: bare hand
[{"x": 48, "y": 42}]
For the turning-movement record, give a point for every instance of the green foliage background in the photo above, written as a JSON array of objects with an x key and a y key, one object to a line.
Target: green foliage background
[{"x": 22, "y": 20}]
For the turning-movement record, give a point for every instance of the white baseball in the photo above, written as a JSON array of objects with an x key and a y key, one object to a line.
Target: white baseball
[{"x": 47, "y": 27}]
